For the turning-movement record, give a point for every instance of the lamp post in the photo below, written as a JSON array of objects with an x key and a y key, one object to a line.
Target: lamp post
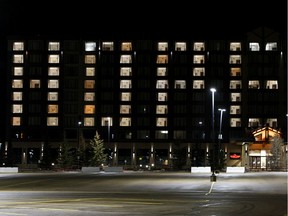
[
  {"x": 213, "y": 177},
  {"x": 78, "y": 147},
  {"x": 220, "y": 136}
]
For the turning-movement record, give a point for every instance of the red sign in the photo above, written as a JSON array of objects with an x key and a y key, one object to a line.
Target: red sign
[{"x": 235, "y": 155}]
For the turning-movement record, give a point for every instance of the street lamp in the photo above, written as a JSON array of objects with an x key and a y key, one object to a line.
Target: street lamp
[
  {"x": 213, "y": 177},
  {"x": 220, "y": 135},
  {"x": 78, "y": 147}
]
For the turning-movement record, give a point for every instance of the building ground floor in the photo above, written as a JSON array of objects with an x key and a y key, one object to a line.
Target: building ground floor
[{"x": 253, "y": 157}]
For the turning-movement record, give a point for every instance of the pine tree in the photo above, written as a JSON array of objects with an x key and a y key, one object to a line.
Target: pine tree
[
  {"x": 276, "y": 151},
  {"x": 97, "y": 154}
]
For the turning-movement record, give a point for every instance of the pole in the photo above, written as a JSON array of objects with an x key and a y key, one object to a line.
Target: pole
[
  {"x": 220, "y": 137},
  {"x": 213, "y": 177}
]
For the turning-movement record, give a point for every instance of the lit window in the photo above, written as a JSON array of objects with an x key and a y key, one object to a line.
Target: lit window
[
  {"x": 162, "y": 71},
  {"x": 198, "y": 59},
  {"x": 125, "y": 96},
  {"x": 89, "y": 121},
  {"x": 254, "y": 122},
  {"x": 126, "y": 46},
  {"x": 54, "y": 46},
  {"x": 235, "y": 97},
  {"x": 54, "y": 59},
  {"x": 125, "y": 121},
  {"x": 17, "y": 96},
  {"x": 198, "y": 84},
  {"x": 90, "y": 71},
  {"x": 90, "y": 59},
  {"x": 125, "y": 71},
  {"x": 17, "y": 84},
  {"x": 52, "y": 96},
  {"x": 90, "y": 46},
  {"x": 162, "y": 96},
  {"x": 16, "y": 121},
  {"x": 125, "y": 59},
  {"x": 272, "y": 46},
  {"x": 161, "y": 122},
  {"x": 254, "y": 47},
  {"x": 162, "y": 46},
  {"x": 272, "y": 84},
  {"x": 180, "y": 46},
  {"x": 234, "y": 110},
  {"x": 34, "y": 83},
  {"x": 180, "y": 84},
  {"x": 52, "y": 108},
  {"x": 18, "y": 59},
  {"x": 162, "y": 59},
  {"x": 89, "y": 109},
  {"x": 235, "y": 84},
  {"x": 272, "y": 122},
  {"x": 125, "y": 109},
  {"x": 106, "y": 121},
  {"x": 17, "y": 108},
  {"x": 235, "y": 122},
  {"x": 235, "y": 71},
  {"x": 162, "y": 84},
  {"x": 89, "y": 84},
  {"x": 161, "y": 109},
  {"x": 235, "y": 46},
  {"x": 125, "y": 84},
  {"x": 235, "y": 59},
  {"x": 52, "y": 121},
  {"x": 107, "y": 46},
  {"x": 18, "y": 46},
  {"x": 53, "y": 84},
  {"x": 53, "y": 71},
  {"x": 89, "y": 96},
  {"x": 199, "y": 71},
  {"x": 18, "y": 71},
  {"x": 199, "y": 46},
  {"x": 253, "y": 84}
]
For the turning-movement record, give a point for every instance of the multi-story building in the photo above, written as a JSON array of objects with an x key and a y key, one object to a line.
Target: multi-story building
[{"x": 150, "y": 100}]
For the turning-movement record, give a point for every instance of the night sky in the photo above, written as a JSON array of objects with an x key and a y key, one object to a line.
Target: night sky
[{"x": 141, "y": 19}]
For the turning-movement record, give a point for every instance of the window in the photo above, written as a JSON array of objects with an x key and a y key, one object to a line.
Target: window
[
  {"x": 235, "y": 97},
  {"x": 18, "y": 59},
  {"x": 161, "y": 109},
  {"x": 52, "y": 108},
  {"x": 180, "y": 46},
  {"x": 161, "y": 122},
  {"x": 90, "y": 46},
  {"x": 254, "y": 46},
  {"x": 53, "y": 59},
  {"x": 198, "y": 59},
  {"x": 272, "y": 46},
  {"x": 254, "y": 122},
  {"x": 235, "y": 71},
  {"x": 272, "y": 122},
  {"x": 18, "y": 46},
  {"x": 34, "y": 83},
  {"x": 53, "y": 83},
  {"x": 90, "y": 71},
  {"x": 235, "y": 59},
  {"x": 90, "y": 59},
  {"x": 180, "y": 84},
  {"x": 125, "y": 59},
  {"x": 17, "y": 96},
  {"x": 125, "y": 121},
  {"x": 125, "y": 84},
  {"x": 17, "y": 108},
  {"x": 106, "y": 121},
  {"x": 235, "y": 84},
  {"x": 235, "y": 46},
  {"x": 89, "y": 84},
  {"x": 162, "y": 96},
  {"x": 253, "y": 84},
  {"x": 162, "y": 71},
  {"x": 125, "y": 109},
  {"x": 125, "y": 71},
  {"x": 52, "y": 96},
  {"x": 162, "y": 59},
  {"x": 89, "y": 109},
  {"x": 272, "y": 84},
  {"x": 125, "y": 96},
  {"x": 54, "y": 46},
  {"x": 198, "y": 84},
  {"x": 89, "y": 121},
  {"x": 234, "y": 110},
  {"x": 235, "y": 122},
  {"x": 126, "y": 46},
  {"x": 162, "y": 46},
  {"x": 16, "y": 121},
  {"x": 107, "y": 46},
  {"x": 17, "y": 83},
  {"x": 199, "y": 46},
  {"x": 89, "y": 96},
  {"x": 53, "y": 71},
  {"x": 161, "y": 134},
  {"x": 52, "y": 121},
  {"x": 199, "y": 71},
  {"x": 162, "y": 84},
  {"x": 18, "y": 71}
]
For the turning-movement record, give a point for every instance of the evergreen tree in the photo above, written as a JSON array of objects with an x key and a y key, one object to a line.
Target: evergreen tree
[
  {"x": 97, "y": 151},
  {"x": 66, "y": 156},
  {"x": 276, "y": 151}
]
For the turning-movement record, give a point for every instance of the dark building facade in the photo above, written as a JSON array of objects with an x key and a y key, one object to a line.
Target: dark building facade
[{"x": 150, "y": 100}]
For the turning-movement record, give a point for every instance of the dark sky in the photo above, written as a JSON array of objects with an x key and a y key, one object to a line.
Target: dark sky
[{"x": 141, "y": 18}]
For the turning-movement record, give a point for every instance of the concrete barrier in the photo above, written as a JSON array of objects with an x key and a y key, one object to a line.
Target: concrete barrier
[
  {"x": 90, "y": 169},
  {"x": 9, "y": 169},
  {"x": 113, "y": 169},
  {"x": 235, "y": 170},
  {"x": 206, "y": 169}
]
